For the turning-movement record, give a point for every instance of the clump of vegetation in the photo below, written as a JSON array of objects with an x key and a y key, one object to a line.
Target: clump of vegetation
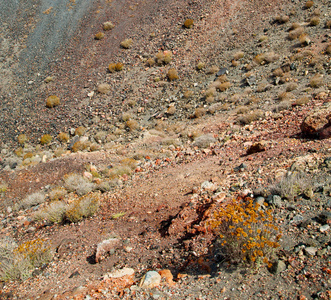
[
  {"x": 52, "y": 101},
  {"x": 200, "y": 65},
  {"x": 212, "y": 70},
  {"x": 316, "y": 81},
  {"x": 22, "y": 138},
  {"x": 163, "y": 57},
  {"x": 127, "y": 43},
  {"x": 108, "y": 26},
  {"x": 115, "y": 67},
  {"x": 150, "y": 62},
  {"x": 302, "y": 101},
  {"x": 53, "y": 213},
  {"x": 304, "y": 39},
  {"x": 80, "y": 130},
  {"x": 247, "y": 233},
  {"x": 119, "y": 171},
  {"x": 188, "y": 23},
  {"x": 99, "y": 36},
  {"x": 46, "y": 139},
  {"x": 132, "y": 124},
  {"x": 79, "y": 146},
  {"x": 18, "y": 262},
  {"x": 309, "y": 4},
  {"x": 328, "y": 24},
  {"x": 277, "y": 72},
  {"x": 291, "y": 87},
  {"x": 249, "y": 118},
  {"x": 295, "y": 33},
  {"x": 282, "y": 19},
  {"x": 238, "y": 55},
  {"x": 292, "y": 185},
  {"x": 117, "y": 215},
  {"x": 328, "y": 49},
  {"x": 63, "y": 137},
  {"x": 57, "y": 193},
  {"x": 77, "y": 183},
  {"x": 33, "y": 200},
  {"x": 3, "y": 187},
  {"x": 172, "y": 74},
  {"x": 84, "y": 207},
  {"x": 314, "y": 21},
  {"x": 199, "y": 112}
]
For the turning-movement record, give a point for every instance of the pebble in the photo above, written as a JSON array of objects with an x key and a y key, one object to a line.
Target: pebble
[
  {"x": 278, "y": 267},
  {"x": 120, "y": 273},
  {"x": 275, "y": 200},
  {"x": 310, "y": 251},
  {"x": 324, "y": 228}
]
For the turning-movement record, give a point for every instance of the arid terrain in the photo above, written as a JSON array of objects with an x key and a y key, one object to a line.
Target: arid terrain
[{"x": 129, "y": 128}]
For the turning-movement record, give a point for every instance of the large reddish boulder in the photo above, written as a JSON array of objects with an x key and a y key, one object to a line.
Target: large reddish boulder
[{"x": 318, "y": 122}]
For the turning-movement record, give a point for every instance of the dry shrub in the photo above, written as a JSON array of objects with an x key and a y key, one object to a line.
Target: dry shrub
[
  {"x": 249, "y": 118},
  {"x": 248, "y": 234},
  {"x": 316, "y": 81},
  {"x": 283, "y": 105},
  {"x": 212, "y": 70},
  {"x": 314, "y": 21},
  {"x": 210, "y": 92},
  {"x": 79, "y": 146},
  {"x": 52, "y": 101},
  {"x": 57, "y": 193},
  {"x": 222, "y": 86},
  {"x": 309, "y": 4},
  {"x": 291, "y": 87},
  {"x": 200, "y": 65},
  {"x": 294, "y": 34},
  {"x": 270, "y": 57},
  {"x": 130, "y": 162},
  {"x": 238, "y": 55},
  {"x": 80, "y": 130},
  {"x": 33, "y": 200},
  {"x": 53, "y": 213},
  {"x": 119, "y": 171},
  {"x": 84, "y": 207},
  {"x": 278, "y": 72},
  {"x": 127, "y": 43},
  {"x": 172, "y": 74},
  {"x": 328, "y": 24},
  {"x": 150, "y": 62},
  {"x": 46, "y": 139},
  {"x": 108, "y": 26},
  {"x": 259, "y": 58},
  {"x": 282, "y": 19},
  {"x": 188, "y": 23},
  {"x": 115, "y": 67},
  {"x": 99, "y": 36},
  {"x": 294, "y": 26},
  {"x": 187, "y": 94},
  {"x": 242, "y": 110},
  {"x": 285, "y": 96},
  {"x": 63, "y": 137},
  {"x": 263, "y": 38},
  {"x": 235, "y": 63},
  {"x": 77, "y": 183},
  {"x": 103, "y": 88},
  {"x": 163, "y": 58},
  {"x": 22, "y": 139},
  {"x": 210, "y": 99},
  {"x": 132, "y": 124},
  {"x": 304, "y": 39},
  {"x": 199, "y": 112},
  {"x": 328, "y": 49},
  {"x": 27, "y": 155},
  {"x": 302, "y": 101}
]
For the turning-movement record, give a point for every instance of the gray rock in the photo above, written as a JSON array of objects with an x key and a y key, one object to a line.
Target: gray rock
[
  {"x": 311, "y": 251},
  {"x": 204, "y": 141},
  {"x": 251, "y": 80},
  {"x": 297, "y": 219},
  {"x": 259, "y": 200},
  {"x": 150, "y": 280},
  {"x": 222, "y": 72},
  {"x": 275, "y": 200},
  {"x": 120, "y": 273},
  {"x": 278, "y": 267},
  {"x": 324, "y": 228}
]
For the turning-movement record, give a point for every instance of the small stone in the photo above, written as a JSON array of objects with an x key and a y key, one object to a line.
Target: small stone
[
  {"x": 9, "y": 209},
  {"x": 259, "y": 200},
  {"x": 278, "y": 267},
  {"x": 167, "y": 275},
  {"x": 106, "y": 247},
  {"x": 256, "y": 147},
  {"x": 275, "y": 200},
  {"x": 297, "y": 219},
  {"x": 208, "y": 186},
  {"x": 120, "y": 273},
  {"x": 324, "y": 228},
  {"x": 311, "y": 251},
  {"x": 150, "y": 280}
]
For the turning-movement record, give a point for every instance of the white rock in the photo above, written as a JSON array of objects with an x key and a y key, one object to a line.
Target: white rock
[
  {"x": 120, "y": 273},
  {"x": 150, "y": 280}
]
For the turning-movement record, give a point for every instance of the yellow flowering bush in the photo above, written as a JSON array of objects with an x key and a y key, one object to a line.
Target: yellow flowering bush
[{"x": 247, "y": 233}]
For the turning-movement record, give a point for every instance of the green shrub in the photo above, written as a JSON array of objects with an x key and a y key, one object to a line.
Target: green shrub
[{"x": 247, "y": 233}]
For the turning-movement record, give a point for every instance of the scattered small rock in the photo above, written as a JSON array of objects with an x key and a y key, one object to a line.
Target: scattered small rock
[{"x": 150, "y": 280}]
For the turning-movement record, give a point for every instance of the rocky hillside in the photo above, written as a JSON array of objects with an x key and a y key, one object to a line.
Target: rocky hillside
[{"x": 165, "y": 150}]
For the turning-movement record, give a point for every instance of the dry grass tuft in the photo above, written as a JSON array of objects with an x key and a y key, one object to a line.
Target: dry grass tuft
[
  {"x": 188, "y": 23},
  {"x": 108, "y": 26},
  {"x": 163, "y": 57},
  {"x": 249, "y": 118},
  {"x": 77, "y": 183},
  {"x": 22, "y": 139},
  {"x": 314, "y": 21},
  {"x": 99, "y": 36},
  {"x": 127, "y": 43},
  {"x": 132, "y": 124},
  {"x": 199, "y": 112},
  {"x": 80, "y": 130},
  {"x": 52, "y": 101},
  {"x": 63, "y": 137},
  {"x": 172, "y": 74},
  {"x": 115, "y": 67},
  {"x": 46, "y": 139},
  {"x": 317, "y": 81},
  {"x": 238, "y": 55},
  {"x": 103, "y": 88},
  {"x": 294, "y": 34},
  {"x": 309, "y": 4}
]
